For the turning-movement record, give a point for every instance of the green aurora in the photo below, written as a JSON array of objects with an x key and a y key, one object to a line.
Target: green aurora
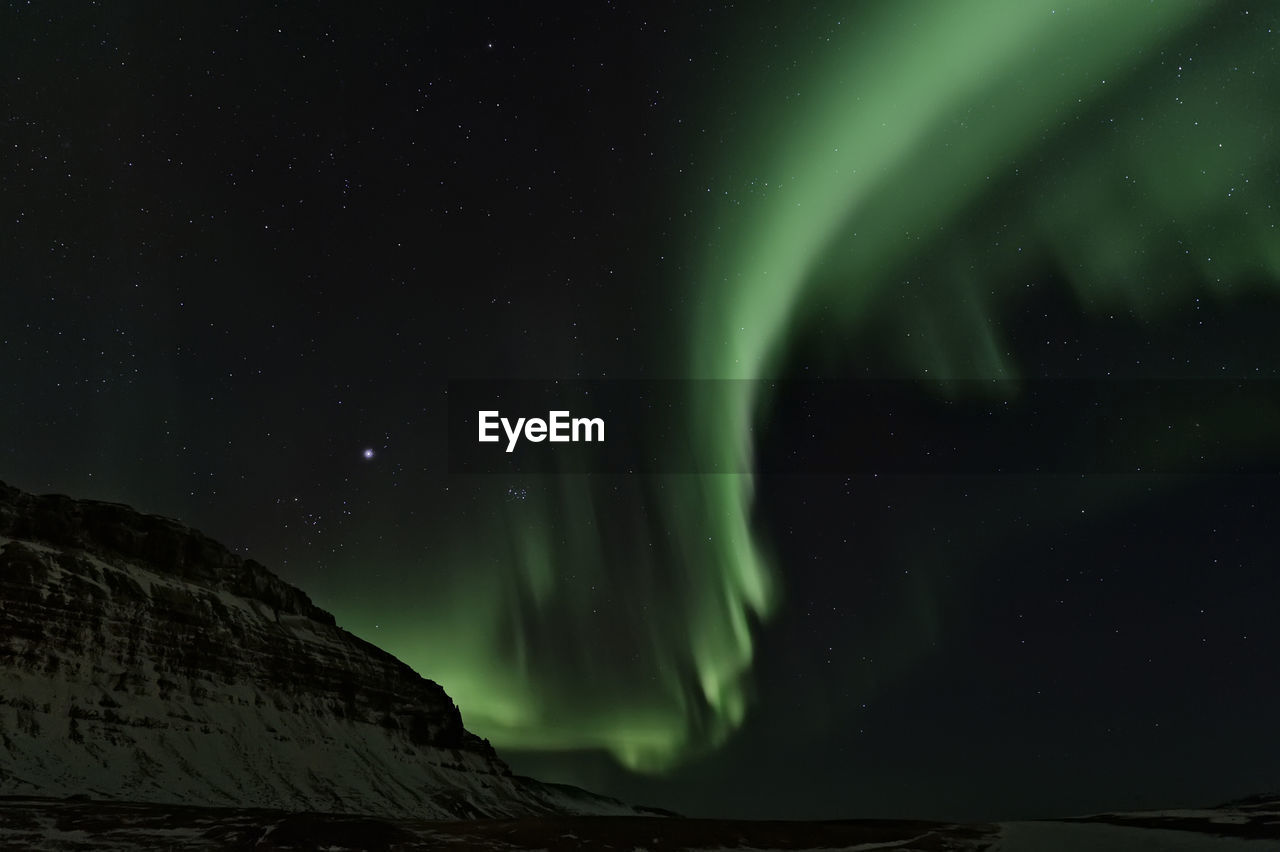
[{"x": 899, "y": 178}]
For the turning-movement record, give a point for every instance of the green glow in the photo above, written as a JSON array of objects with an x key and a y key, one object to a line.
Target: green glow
[{"x": 949, "y": 144}]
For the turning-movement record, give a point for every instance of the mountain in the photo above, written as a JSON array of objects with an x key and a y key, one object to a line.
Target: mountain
[{"x": 140, "y": 660}]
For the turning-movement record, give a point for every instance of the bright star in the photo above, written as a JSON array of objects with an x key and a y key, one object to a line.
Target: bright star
[{"x": 368, "y": 453}]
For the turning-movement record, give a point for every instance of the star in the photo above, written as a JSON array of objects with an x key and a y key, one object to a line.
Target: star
[{"x": 368, "y": 453}]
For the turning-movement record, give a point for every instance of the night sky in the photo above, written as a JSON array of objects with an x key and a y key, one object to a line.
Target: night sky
[{"x": 246, "y": 247}]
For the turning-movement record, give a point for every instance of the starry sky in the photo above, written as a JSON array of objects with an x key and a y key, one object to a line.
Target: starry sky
[{"x": 249, "y": 248}]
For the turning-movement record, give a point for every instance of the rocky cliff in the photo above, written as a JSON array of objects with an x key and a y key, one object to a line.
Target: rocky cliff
[{"x": 141, "y": 660}]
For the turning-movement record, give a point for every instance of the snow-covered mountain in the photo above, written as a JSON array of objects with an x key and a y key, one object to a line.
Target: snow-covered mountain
[{"x": 141, "y": 660}]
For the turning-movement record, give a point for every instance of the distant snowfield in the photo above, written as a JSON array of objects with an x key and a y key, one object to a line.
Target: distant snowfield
[
  {"x": 1048, "y": 836},
  {"x": 1096, "y": 837}
]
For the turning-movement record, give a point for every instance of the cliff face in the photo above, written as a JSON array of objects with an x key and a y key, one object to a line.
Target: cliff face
[{"x": 141, "y": 660}]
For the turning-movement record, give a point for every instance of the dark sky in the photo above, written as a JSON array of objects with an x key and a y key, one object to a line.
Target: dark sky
[{"x": 246, "y": 244}]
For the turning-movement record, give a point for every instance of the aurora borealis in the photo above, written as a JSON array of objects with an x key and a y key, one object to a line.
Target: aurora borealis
[{"x": 250, "y": 248}]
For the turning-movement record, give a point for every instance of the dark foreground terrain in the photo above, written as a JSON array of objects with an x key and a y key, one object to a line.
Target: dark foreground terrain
[
  {"x": 36, "y": 823},
  {"x": 29, "y": 823}
]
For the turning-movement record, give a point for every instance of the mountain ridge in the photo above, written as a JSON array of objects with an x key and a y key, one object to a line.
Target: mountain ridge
[{"x": 141, "y": 659}]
